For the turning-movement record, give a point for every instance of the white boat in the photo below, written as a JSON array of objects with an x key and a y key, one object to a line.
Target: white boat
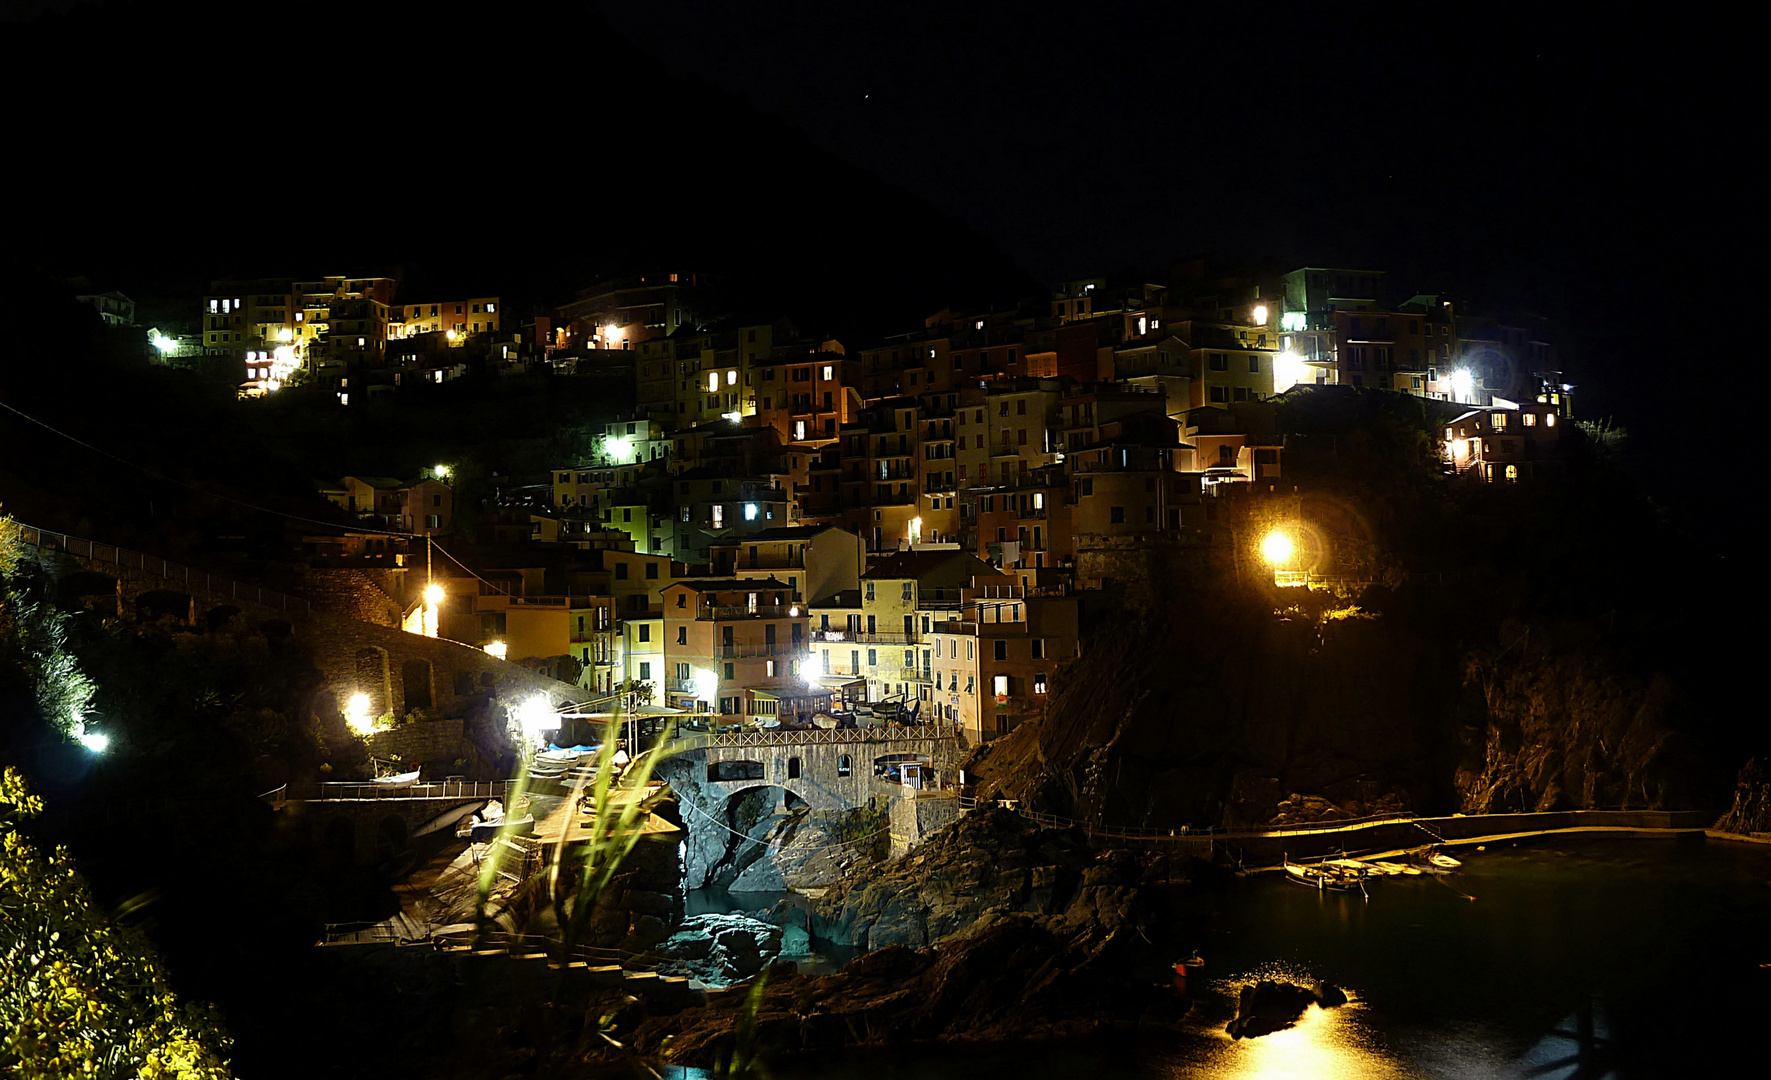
[
  {"x": 1326, "y": 877},
  {"x": 405, "y": 779},
  {"x": 1443, "y": 862},
  {"x": 1397, "y": 868}
]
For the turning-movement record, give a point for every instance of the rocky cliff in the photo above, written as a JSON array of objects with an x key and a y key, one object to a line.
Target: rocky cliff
[
  {"x": 985, "y": 867},
  {"x": 1273, "y": 708},
  {"x": 993, "y": 930}
]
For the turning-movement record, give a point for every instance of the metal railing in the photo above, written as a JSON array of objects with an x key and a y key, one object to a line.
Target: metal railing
[
  {"x": 190, "y": 579},
  {"x": 867, "y": 637},
  {"x": 743, "y": 611},
  {"x": 752, "y": 737},
  {"x": 442, "y": 789}
]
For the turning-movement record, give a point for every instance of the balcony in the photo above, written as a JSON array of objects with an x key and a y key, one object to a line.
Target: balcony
[
  {"x": 718, "y": 613},
  {"x": 864, "y": 637},
  {"x": 794, "y": 650}
]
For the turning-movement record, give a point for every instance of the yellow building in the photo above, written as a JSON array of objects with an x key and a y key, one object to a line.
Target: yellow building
[
  {"x": 993, "y": 664},
  {"x": 881, "y": 632}
]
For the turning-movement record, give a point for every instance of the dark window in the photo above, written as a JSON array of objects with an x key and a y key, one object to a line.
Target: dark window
[{"x": 1117, "y": 515}]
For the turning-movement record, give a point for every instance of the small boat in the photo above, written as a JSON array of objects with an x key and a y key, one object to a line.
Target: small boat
[
  {"x": 485, "y": 832},
  {"x": 1397, "y": 868},
  {"x": 405, "y": 779},
  {"x": 1443, "y": 862},
  {"x": 824, "y": 721},
  {"x": 1326, "y": 877}
]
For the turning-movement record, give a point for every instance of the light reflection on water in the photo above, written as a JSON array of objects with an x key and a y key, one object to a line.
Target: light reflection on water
[
  {"x": 1326, "y": 1044},
  {"x": 1666, "y": 937}
]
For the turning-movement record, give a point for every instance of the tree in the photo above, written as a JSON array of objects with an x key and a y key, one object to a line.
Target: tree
[{"x": 80, "y": 995}]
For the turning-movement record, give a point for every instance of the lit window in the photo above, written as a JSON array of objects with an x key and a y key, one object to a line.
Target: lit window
[
  {"x": 1549, "y": 420},
  {"x": 712, "y": 381},
  {"x": 491, "y": 308},
  {"x": 731, "y": 378},
  {"x": 999, "y": 685},
  {"x": 830, "y": 371},
  {"x": 749, "y": 511}
]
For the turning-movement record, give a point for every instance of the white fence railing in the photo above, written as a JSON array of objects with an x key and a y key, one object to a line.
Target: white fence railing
[{"x": 174, "y": 574}]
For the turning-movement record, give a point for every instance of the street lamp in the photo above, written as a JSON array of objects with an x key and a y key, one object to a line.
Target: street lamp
[
  {"x": 433, "y": 598},
  {"x": 1276, "y": 549},
  {"x": 356, "y": 714}
]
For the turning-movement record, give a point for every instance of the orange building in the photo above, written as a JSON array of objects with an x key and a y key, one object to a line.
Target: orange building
[{"x": 736, "y": 646}]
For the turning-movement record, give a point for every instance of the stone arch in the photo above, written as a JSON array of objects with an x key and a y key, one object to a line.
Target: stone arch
[
  {"x": 156, "y": 604},
  {"x": 793, "y": 768},
  {"x": 340, "y": 838},
  {"x": 217, "y": 618},
  {"x": 415, "y": 684},
  {"x": 372, "y": 679},
  {"x": 718, "y": 771},
  {"x": 77, "y": 588},
  {"x": 844, "y": 765},
  {"x": 391, "y": 839}
]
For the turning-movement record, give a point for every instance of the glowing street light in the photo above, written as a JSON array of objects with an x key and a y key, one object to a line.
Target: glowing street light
[
  {"x": 433, "y": 599},
  {"x": 706, "y": 684},
  {"x": 94, "y": 741},
  {"x": 1289, "y": 369},
  {"x": 1276, "y": 549},
  {"x": 613, "y": 333},
  {"x": 616, "y": 450},
  {"x": 1260, "y": 314},
  {"x": 1461, "y": 382},
  {"x": 536, "y": 715},
  {"x": 356, "y": 714},
  {"x": 164, "y": 343},
  {"x": 498, "y": 650}
]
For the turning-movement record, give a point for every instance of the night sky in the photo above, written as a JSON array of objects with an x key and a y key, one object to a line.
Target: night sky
[{"x": 1576, "y": 164}]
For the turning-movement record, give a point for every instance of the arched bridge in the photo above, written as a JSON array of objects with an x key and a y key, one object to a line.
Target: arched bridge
[{"x": 829, "y": 769}]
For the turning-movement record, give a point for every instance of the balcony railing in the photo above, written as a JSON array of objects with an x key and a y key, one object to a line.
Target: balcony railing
[
  {"x": 864, "y": 637},
  {"x": 720, "y": 613},
  {"x": 791, "y": 649}
]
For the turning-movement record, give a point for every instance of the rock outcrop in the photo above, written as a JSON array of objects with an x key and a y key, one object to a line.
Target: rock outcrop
[
  {"x": 720, "y": 950},
  {"x": 1021, "y": 977},
  {"x": 988, "y": 865},
  {"x": 1267, "y": 1006},
  {"x": 1266, "y": 715},
  {"x": 1750, "y": 811}
]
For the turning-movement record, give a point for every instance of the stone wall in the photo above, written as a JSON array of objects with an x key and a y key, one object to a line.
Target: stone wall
[
  {"x": 913, "y": 820},
  {"x": 1147, "y": 567},
  {"x": 435, "y": 744},
  {"x": 401, "y": 671},
  {"x": 369, "y": 594}
]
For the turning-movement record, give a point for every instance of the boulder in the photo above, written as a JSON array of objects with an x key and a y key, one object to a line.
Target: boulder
[
  {"x": 1268, "y": 1006},
  {"x": 720, "y": 949}
]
